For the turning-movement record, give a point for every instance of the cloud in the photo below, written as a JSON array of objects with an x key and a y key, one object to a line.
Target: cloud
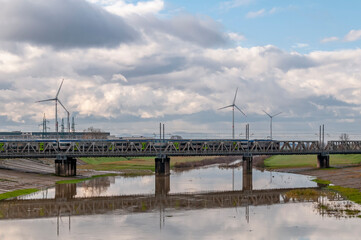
[
  {"x": 329, "y": 39},
  {"x": 122, "y": 8},
  {"x": 62, "y": 24},
  {"x": 202, "y": 31},
  {"x": 256, "y": 14},
  {"x": 236, "y": 37},
  {"x": 234, "y": 3},
  {"x": 300, "y": 45},
  {"x": 263, "y": 12},
  {"x": 353, "y": 35},
  {"x": 181, "y": 72}
]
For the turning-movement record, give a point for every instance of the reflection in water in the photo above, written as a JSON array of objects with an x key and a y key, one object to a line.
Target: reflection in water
[
  {"x": 97, "y": 186},
  {"x": 201, "y": 214},
  {"x": 162, "y": 185},
  {"x": 66, "y": 191},
  {"x": 247, "y": 177}
]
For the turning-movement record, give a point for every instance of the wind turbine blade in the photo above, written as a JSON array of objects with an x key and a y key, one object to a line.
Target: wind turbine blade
[
  {"x": 59, "y": 89},
  {"x": 267, "y": 113},
  {"x": 277, "y": 114},
  {"x": 47, "y": 100},
  {"x": 226, "y": 107},
  {"x": 235, "y": 95},
  {"x": 240, "y": 110},
  {"x": 63, "y": 106}
]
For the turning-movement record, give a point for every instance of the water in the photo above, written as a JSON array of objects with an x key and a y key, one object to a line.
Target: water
[{"x": 205, "y": 203}]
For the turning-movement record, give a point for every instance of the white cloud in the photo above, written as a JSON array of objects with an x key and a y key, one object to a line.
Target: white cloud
[
  {"x": 263, "y": 12},
  {"x": 235, "y": 3},
  {"x": 353, "y": 35},
  {"x": 329, "y": 39},
  {"x": 172, "y": 75},
  {"x": 117, "y": 77},
  {"x": 300, "y": 45},
  {"x": 122, "y": 8},
  {"x": 236, "y": 37},
  {"x": 256, "y": 14}
]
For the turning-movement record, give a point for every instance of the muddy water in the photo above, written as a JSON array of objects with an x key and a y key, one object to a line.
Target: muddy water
[{"x": 205, "y": 203}]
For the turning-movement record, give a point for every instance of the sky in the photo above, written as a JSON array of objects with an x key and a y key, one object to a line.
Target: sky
[{"x": 128, "y": 65}]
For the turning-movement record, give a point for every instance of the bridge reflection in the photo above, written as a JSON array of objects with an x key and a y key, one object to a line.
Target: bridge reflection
[{"x": 66, "y": 204}]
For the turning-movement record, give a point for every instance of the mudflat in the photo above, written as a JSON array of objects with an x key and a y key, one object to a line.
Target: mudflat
[
  {"x": 18, "y": 174},
  {"x": 344, "y": 176}
]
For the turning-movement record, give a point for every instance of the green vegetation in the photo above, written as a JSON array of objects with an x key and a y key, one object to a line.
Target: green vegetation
[
  {"x": 17, "y": 193},
  {"x": 142, "y": 165},
  {"x": 307, "y": 194},
  {"x": 350, "y": 193},
  {"x": 321, "y": 181},
  {"x": 84, "y": 179},
  {"x": 294, "y": 161}
]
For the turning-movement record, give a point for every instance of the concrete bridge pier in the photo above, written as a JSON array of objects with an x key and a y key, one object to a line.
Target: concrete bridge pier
[
  {"x": 65, "y": 166},
  {"x": 247, "y": 173},
  {"x": 162, "y": 165},
  {"x": 247, "y": 162},
  {"x": 323, "y": 160}
]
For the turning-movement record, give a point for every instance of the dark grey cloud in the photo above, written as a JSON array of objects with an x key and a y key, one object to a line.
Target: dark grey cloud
[
  {"x": 62, "y": 24},
  {"x": 204, "y": 32}
]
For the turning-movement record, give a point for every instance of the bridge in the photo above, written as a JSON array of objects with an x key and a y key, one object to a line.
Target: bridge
[{"x": 66, "y": 151}]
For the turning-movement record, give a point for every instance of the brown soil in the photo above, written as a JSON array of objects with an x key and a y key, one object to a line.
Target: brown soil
[
  {"x": 24, "y": 173},
  {"x": 345, "y": 176}
]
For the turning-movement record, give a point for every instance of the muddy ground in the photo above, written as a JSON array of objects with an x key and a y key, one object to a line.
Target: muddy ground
[
  {"x": 24, "y": 173},
  {"x": 345, "y": 176}
]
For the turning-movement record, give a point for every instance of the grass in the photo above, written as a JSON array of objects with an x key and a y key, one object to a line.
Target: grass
[
  {"x": 294, "y": 161},
  {"x": 350, "y": 193},
  {"x": 306, "y": 194},
  {"x": 84, "y": 179},
  {"x": 321, "y": 181},
  {"x": 17, "y": 193},
  {"x": 143, "y": 165}
]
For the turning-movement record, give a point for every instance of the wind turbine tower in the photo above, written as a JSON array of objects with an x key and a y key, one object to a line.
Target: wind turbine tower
[
  {"x": 271, "y": 117},
  {"x": 233, "y": 105},
  {"x": 57, "y": 100}
]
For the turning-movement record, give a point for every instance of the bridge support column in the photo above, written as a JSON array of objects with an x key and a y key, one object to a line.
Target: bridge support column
[
  {"x": 247, "y": 173},
  {"x": 65, "y": 166},
  {"x": 162, "y": 165},
  {"x": 247, "y": 162},
  {"x": 323, "y": 160}
]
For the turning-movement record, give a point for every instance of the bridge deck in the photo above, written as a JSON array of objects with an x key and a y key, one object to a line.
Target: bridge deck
[{"x": 151, "y": 147}]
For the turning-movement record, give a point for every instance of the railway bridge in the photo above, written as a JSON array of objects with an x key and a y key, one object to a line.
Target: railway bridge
[{"x": 66, "y": 151}]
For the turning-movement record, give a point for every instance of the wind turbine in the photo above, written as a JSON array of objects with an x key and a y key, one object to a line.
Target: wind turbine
[
  {"x": 233, "y": 105},
  {"x": 56, "y": 99},
  {"x": 271, "y": 117}
]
